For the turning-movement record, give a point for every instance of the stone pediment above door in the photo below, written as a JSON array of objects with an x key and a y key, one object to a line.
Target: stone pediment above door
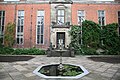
[{"x": 61, "y": 1}]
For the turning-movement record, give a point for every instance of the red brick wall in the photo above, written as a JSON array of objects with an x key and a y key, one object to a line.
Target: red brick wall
[
  {"x": 30, "y": 9},
  {"x": 9, "y": 13},
  {"x": 92, "y": 9}
]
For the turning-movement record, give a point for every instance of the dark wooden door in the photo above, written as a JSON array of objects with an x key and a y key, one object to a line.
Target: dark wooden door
[{"x": 60, "y": 36}]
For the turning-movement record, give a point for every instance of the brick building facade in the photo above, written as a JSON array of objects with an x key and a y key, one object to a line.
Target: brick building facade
[{"x": 39, "y": 22}]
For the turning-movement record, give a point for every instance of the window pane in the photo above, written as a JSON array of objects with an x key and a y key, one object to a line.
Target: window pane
[
  {"x": 80, "y": 13},
  {"x": 62, "y": 12},
  {"x": 17, "y": 40},
  {"x": 18, "y": 22},
  {"x": 60, "y": 20},
  {"x": 40, "y": 25},
  {"x": 38, "y": 30},
  {"x": 0, "y": 14},
  {"x": 102, "y": 13},
  {"x": 0, "y": 21},
  {"x": 20, "y": 27},
  {"x": 81, "y": 17},
  {"x": 41, "y": 38},
  {"x": 42, "y": 29},
  {"x": 0, "y": 32},
  {"x": 2, "y": 28},
  {"x": 40, "y": 13},
  {"x": 60, "y": 17},
  {"x": 118, "y": 13},
  {"x": 119, "y": 25},
  {"x": 103, "y": 21},
  {"x": 42, "y": 20},
  {"x": 119, "y": 21},
  {"x": 3, "y": 21},
  {"x": 22, "y": 21},
  {"x": 38, "y": 22},
  {"x": 99, "y": 20},
  {"x": 4, "y": 13},
  {"x": 2, "y": 18},
  {"x": 59, "y": 12},
  {"x": 22, "y": 13},
  {"x": 101, "y": 17},
  {"x": 21, "y": 40},
  {"x": 38, "y": 38}
]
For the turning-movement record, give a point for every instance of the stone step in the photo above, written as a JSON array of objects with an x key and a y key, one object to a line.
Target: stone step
[{"x": 55, "y": 53}]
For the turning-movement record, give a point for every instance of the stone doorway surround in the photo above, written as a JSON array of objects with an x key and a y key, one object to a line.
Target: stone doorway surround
[{"x": 53, "y": 38}]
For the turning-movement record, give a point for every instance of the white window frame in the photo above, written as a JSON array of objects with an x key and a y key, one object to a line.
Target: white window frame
[
  {"x": 2, "y": 27},
  {"x": 20, "y": 34},
  {"x": 79, "y": 21},
  {"x": 40, "y": 14},
  {"x": 101, "y": 19},
  {"x": 60, "y": 16}
]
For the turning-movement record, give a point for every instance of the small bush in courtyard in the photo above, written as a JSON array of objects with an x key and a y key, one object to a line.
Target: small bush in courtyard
[{"x": 31, "y": 51}]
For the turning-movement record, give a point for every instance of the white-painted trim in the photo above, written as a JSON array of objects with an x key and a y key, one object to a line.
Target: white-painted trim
[
  {"x": 37, "y": 25},
  {"x": 104, "y": 17},
  {"x": 83, "y": 14},
  {"x": 20, "y": 24},
  {"x": 4, "y": 23}
]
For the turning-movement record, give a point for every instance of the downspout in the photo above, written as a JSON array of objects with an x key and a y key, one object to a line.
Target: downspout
[
  {"x": 15, "y": 9},
  {"x": 31, "y": 27}
]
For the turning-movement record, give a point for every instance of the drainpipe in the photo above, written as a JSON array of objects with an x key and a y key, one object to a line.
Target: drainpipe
[
  {"x": 15, "y": 9},
  {"x": 15, "y": 13},
  {"x": 31, "y": 27}
]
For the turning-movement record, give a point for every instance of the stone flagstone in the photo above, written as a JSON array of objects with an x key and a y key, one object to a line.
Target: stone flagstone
[{"x": 20, "y": 68}]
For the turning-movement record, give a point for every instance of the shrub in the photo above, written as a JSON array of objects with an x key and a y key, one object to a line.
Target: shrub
[
  {"x": 89, "y": 51},
  {"x": 31, "y": 51},
  {"x": 6, "y": 50}
]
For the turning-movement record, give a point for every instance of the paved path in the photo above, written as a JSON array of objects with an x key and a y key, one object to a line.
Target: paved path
[{"x": 22, "y": 70}]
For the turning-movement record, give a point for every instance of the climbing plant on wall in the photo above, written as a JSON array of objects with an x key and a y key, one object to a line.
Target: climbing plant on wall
[
  {"x": 75, "y": 37},
  {"x": 91, "y": 34},
  {"x": 9, "y": 35},
  {"x": 111, "y": 39}
]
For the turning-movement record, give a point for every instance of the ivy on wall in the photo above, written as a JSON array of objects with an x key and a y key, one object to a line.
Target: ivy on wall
[
  {"x": 9, "y": 35},
  {"x": 75, "y": 37},
  {"x": 110, "y": 37},
  {"x": 92, "y": 36}
]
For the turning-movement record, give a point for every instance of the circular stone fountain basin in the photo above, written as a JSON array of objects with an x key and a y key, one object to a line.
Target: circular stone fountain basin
[{"x": 68, "y": 71}]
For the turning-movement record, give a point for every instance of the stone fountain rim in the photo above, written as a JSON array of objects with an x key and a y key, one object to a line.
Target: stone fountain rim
[{"x": 85, "y": 72}]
